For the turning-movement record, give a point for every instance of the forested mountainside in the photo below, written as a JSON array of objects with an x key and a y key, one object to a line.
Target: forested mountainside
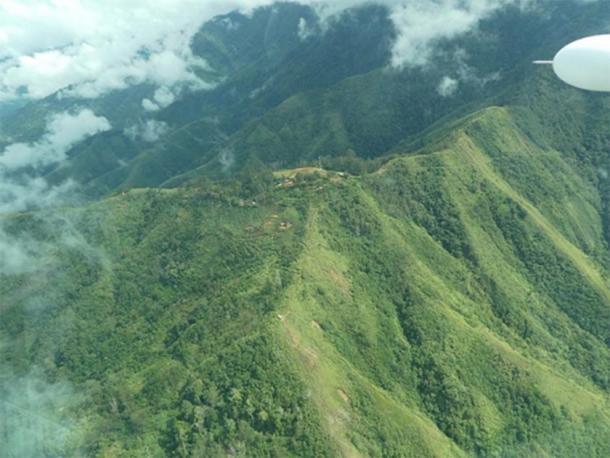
[
  {"x": 346, "y": 262},
  {"x": 282, "y": 98}
]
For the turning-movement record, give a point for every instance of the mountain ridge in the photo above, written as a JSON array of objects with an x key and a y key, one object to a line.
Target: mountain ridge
[
  {"x": 405, "y": 313},
  {"x": 349, "y": 265}
]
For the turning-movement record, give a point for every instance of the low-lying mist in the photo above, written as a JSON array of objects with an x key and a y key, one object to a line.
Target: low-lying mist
[
  {"x": 37, "y": 405},
  {"x": 34, "y": 415}
]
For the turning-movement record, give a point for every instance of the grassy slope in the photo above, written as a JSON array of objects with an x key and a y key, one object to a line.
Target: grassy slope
[{"x": 443, "y": 306}]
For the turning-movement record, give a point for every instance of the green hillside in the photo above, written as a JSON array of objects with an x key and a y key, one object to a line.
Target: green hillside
[
  {"x": 453, "y": 302},
  {"x": 320, "y": 255}
]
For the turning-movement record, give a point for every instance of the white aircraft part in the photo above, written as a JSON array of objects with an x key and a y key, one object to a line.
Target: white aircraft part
[{"x": 585, "y": 63}]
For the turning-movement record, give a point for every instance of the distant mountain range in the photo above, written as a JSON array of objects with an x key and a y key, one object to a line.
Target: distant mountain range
[{"x": 283, "y": 98}]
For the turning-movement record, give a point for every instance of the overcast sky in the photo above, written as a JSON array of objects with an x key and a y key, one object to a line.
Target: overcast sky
[{"x": 89, "y": 47}]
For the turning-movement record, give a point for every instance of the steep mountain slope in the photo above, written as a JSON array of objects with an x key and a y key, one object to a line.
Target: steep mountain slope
[
  {"x": 453, "y": 303},
  {"x": 203, "y": 124},
  {"x": 434, "y": 280}
]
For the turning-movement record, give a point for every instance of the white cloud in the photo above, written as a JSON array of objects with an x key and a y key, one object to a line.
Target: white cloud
[
  {"x": 468, "y": 74},
  {"x": 447, "y": 87},
  {"x": 149, "y": 131},
  {"x": 63, "y": 132},
  {"x": 163, "y": 97},
  {"x": 149, "y": 105},
  {"x": 420, "y": 23},
  {"x": 18, "y": 254},
  {"x": 305, "y": 31},
  {"x": 20, "y": 190},
  {"x": 226, "y": 159},
  {"x": 15, "y": 256},
  {"x": 87, "y": 47},
  {"x": 35, "y": 414}
]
